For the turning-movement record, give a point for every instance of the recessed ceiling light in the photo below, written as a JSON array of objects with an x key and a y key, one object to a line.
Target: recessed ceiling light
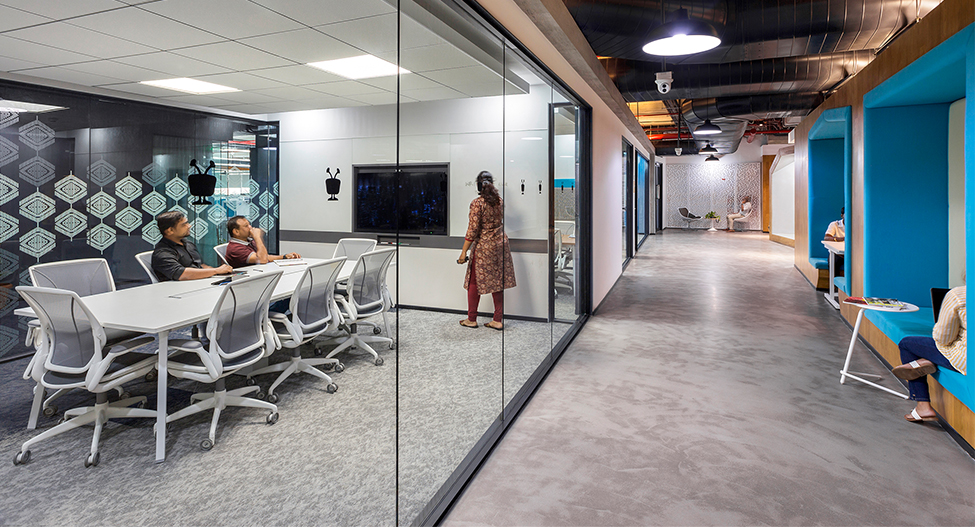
[
  {"x": 26, "y": 107},
  {"x": 196, "y": 87},
  {"x": 361, "y": 67}
]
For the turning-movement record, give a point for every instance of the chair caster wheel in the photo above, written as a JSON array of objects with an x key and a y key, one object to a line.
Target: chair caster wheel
[
  {"x": 251, "y": 382},
  {"x": 260, "y": 395},
  {"x": 22, "y": 458},
  {"x": 273, "y": 398},
  {"x": 339, "y": 368},
  {"x": 50, "y": 411},
  {"x": 328, "y": 367},
  {"x": 272, "y": 418},
  {"x": 92, "y": 460},
  {"x": 376, "y": 331},
  {"x": 379, "y": 361},
  {"x": 151, "y": 376},
  {"x": 332, "y": 388},
  {"x": 319, "y": 352},
  {"x": 206, "y": 444}
]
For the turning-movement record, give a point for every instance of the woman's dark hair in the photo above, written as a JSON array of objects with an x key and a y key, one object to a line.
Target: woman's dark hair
[{"x": 485, "y": 187}]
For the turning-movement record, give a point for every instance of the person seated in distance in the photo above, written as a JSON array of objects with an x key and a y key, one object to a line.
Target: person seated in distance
[
  {"x": 921, "y": 356},
  {"x": 246, "y": 245},
  {"x": 836, "y": 232},
  {"x": 746, "y": 205},
  {"x": 175, "y": 257}
]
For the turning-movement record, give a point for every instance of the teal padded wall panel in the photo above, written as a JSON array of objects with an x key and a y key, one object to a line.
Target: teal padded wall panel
[
  {"x": 837, "y": 123},
  {"x": 905, "y": 215},
  {"x": 825, "y": 190}
]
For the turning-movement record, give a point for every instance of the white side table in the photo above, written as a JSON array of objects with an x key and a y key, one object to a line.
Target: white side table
[
  {"x": 835, "y": 249},
  {"x": 845, "y": 372}
]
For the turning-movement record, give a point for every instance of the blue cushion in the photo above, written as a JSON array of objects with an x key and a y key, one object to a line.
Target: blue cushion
[
  {"x": 919, "y": 324},
  {"x": 840, "y": 282},
  {"x": 820, "y": 263}
]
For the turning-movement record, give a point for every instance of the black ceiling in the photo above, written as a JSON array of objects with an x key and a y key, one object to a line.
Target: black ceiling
[{"x": 778, "y": 59}]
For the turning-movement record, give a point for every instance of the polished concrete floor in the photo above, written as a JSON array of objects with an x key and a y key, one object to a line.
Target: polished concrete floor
[{"x": 705, "y": 392}]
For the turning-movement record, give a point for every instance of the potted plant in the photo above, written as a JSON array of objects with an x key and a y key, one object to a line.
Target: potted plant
[{"x": 713, "y": 216}]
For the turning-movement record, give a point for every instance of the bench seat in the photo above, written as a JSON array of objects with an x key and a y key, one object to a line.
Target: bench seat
[
  {"x": 820, "y": 263},
  {"x": 840, "y": 283},
  {"x": 919, "y": 324}
]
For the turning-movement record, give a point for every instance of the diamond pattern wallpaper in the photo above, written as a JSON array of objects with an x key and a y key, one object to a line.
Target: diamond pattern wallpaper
[
  {"x": 712, "y": 187},
  {"x": 94, "y": 193}
]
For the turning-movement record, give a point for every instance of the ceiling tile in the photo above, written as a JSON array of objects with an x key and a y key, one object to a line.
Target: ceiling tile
[
  {"x": 68, "y": 75},
  {"x": 345, "y": 88},
  {"x": 12, "y": 64},
  {"x": 328, "y": 101},
  {"x": 246, "y": 97},
  {"x": 310, "y": 12},
  {"x": 140, "y": 89},
  {"x": 198, "y": 100},
  {"x": 297, "y": 75},
  {"x": 116, "y": 70},
  {"x": 410, "y": 81},
  {"x": 379, "y": 98},
  {"x": 132, "y": 24},
  {"x": 229, "y": 18},
  {"x": 241, "y": 81},
  {"x": 414, "y": 35},
  {"x": 65, "y": 36},
  {"x": 11, "y": 18},
  {"x": 293, "y": 93},
  {"x": 172, "y": 65},
  {"x": 433, "y": 94},
  {"x": 373, "y": 35},
  {"x": 437, "y": 57},
  {"x": 60, "y": 9},
  {"x": 38, "y": 53},
  {"x": 233, "y": 56},
  {"x": 303, "y": 46}
]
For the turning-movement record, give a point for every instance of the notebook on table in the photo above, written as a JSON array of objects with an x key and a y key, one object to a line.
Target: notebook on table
[{"x": 937, "y": 298}]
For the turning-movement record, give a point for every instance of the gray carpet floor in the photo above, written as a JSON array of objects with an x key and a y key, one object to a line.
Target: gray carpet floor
[
  {"x": 705, "y": 392},
  {"x": 330, "y": 460}
]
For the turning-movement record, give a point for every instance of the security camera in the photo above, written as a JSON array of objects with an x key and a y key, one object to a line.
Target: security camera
[
  {"x": 678, "y": 150},
  {"x": 664, "y": 80}
]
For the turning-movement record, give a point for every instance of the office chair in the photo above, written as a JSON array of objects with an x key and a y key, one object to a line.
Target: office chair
[
  {"x": 743, "y": 219},
  {"x": 353, "y": 248},
  {"x": 367, "y": 296},
  {"x": 87, "y": 276},
  {"x": 145, "y": 260},
  {"x": 312, "y": 308},
  {"x": 221, "y": 251},
  {"x": 77, "y": 352},
  {"x": 568, "y": 228},
  {"x": 562, "y": 276},
  {"x": 240, "y": 335}
]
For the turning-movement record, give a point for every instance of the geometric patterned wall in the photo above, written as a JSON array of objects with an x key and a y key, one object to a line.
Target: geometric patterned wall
[
  {"x": 716, "y": 187},
  {"x": 58, "y": 201}
]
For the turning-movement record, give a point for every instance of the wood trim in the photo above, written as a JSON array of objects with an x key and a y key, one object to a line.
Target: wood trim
[
  {"x": 766, "y": 192},
  {"x": 782, "y": 239}
]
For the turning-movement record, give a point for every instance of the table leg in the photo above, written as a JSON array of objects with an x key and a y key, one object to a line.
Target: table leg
[
  {"x": 161, "y": 386},
  {"x": 857, "y": 376},
  {"x": 831, "y": 294}
]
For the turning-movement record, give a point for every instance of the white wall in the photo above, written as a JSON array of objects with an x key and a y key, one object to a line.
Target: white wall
[
  {"x": 782, "y": 190},
  {"x": 956, "y": 193}
]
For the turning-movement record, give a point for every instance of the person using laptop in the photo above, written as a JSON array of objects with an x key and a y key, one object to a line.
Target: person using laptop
[
  {"x": 836, "y": 232},
  {"x": 246, "y": 245},
  {"x": 947, "y": 347},
  {"x": 175, "y": 257}
]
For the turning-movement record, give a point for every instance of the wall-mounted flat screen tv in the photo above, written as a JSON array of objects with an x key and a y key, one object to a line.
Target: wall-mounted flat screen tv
[{"x": 409, "y": 199}]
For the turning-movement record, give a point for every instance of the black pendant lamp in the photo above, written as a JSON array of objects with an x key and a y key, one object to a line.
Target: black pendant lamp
[
  {"x": 712, "y": 158},
  {"x": 682, "y": 35},
  {"x": 709, "y": 149}
]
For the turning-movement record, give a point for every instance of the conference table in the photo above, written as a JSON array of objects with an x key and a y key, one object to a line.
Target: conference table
[{"x": 157, "y": 309}]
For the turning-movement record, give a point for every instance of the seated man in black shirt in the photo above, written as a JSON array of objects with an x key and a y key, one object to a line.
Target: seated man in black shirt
[{"x": 175, "y": 257}]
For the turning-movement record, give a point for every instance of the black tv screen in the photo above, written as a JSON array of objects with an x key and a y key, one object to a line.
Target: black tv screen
[{"x": 412, "y": 201}]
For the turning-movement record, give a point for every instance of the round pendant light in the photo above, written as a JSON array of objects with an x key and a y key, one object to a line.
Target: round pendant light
[
  {"x": 712, "y": 158},
  {"x": 709, "y": 149},
  {"x": 682, "y": 36},
  {"x": 708, "y": 128}
]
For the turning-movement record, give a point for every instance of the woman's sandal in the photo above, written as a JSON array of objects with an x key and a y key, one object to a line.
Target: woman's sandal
[
  {"x": 915, "y": 417},
  {"x": 468, "y": 324},
  {"x": 914, "y": 369},
  {"x": 488, "y": 325}
]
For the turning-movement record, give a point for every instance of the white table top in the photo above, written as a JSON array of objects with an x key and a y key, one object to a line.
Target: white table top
[
  {"x": 170, "y": 305},
  {"x": 835, "y": 247},
  {"x": 908, "y": 308}
]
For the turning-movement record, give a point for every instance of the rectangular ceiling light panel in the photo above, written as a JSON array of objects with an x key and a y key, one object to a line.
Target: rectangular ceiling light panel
[
  {"x": 193, "y": 86},
  {"x": 26, "y": 107},
  {"x": 361, "y": 67}
]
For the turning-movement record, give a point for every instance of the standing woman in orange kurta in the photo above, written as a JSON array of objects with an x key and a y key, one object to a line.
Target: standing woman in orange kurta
[{"x": 490, "y": 269}]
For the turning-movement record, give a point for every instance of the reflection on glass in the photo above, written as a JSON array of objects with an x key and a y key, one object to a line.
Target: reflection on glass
[
  {"x": 566, "y": 163},
  {"x": 642, "y": 173}
]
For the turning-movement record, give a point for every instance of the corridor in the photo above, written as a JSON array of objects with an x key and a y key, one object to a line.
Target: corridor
[{"x": 706, "y": 392}]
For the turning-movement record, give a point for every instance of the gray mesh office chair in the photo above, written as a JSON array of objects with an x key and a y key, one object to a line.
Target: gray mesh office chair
[
  {"x": 88, "y": 276},
  {"x": 240, "y": 335},
  {"x": 79, "y": 353},
  {"x": 221, "y": 251},
  {"x": 312, "y": 308},
  {"x": 353, "y": 248},
  {"x": 145, "y": 260},
  {"x": 367, "y": 296}
]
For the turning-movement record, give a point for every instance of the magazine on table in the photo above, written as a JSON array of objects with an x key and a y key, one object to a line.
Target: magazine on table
[{"x": 890, "y": 303}]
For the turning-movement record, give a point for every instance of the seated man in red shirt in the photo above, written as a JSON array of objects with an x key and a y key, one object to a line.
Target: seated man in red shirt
[{"x": 247, "y": 245}]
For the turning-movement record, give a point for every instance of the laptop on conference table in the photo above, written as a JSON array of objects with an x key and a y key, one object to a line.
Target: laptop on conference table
[{"x": 937, "y": 298}]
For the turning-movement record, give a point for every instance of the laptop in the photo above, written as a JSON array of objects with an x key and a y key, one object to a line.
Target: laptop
[{"x": 937, "y": 298}]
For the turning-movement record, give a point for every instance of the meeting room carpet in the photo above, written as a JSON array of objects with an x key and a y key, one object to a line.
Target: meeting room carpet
[{"x": 330, "y": 459}]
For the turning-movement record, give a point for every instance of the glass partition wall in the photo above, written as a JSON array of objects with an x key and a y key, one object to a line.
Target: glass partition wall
[{"x": 390, "y": 157}]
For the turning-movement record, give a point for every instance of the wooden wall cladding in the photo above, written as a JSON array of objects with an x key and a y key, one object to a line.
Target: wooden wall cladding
[
  {"x": 944, "y": 21},
  {"x": 766, "y": 193}
]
